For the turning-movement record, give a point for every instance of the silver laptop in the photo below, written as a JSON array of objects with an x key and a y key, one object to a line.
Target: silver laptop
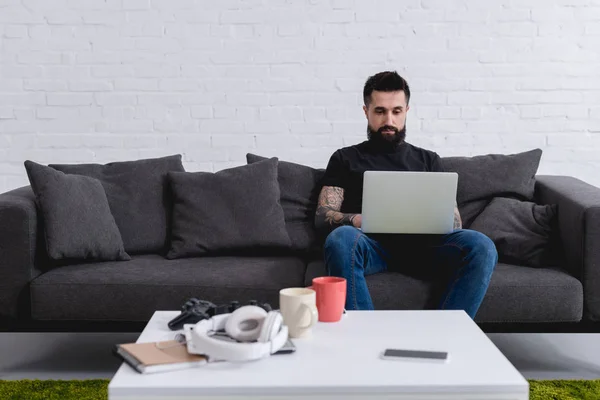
[{"x": 405, "y": 202}]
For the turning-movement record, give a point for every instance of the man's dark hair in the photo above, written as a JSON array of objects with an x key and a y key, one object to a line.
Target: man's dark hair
[{"x": 386, "y": 81}]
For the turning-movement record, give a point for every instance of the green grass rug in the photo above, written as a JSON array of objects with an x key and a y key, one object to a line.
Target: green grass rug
[
  {"x": 92, "y": 389},
  {"x": 97, "y": 389}
]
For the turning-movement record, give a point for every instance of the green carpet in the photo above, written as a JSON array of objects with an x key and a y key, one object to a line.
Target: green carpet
[{"x": 94, "y": 389}]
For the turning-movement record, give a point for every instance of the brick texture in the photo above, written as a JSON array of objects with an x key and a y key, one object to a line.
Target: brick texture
[{"x": 108, "y": 80}]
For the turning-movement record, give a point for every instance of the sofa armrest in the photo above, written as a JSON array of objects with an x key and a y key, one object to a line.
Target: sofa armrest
[
  {"x": 579, "y": 224},
  {"x": 18, "y": 237}
]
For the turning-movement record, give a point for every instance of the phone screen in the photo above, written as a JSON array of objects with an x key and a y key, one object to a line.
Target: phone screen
[{"x": 435, "y": 355}]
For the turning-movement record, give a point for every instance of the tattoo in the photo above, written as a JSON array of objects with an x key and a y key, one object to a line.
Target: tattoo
[
  {"x": 328, "y": 210},
  {"x": 457, "y": 219}
]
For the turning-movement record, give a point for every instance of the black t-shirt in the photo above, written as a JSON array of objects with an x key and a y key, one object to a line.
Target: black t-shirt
[{"x": 347, "y": 165}]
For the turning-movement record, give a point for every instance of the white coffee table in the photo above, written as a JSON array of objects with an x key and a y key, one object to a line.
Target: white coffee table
[{"x": 341, "y": 361}]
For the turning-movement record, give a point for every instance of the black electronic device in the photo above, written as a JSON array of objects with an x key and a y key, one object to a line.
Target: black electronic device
[
  {"x": 194, "y": 310},
  {"x": 398, "y": 354}
]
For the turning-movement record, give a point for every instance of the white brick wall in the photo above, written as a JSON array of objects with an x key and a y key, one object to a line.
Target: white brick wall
[{"x": 108, "y": 80}]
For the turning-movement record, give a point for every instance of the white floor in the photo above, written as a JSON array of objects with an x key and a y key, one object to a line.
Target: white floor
[
  {"x": 88, "y": 355},
  {"x": 552, "y": 356}
]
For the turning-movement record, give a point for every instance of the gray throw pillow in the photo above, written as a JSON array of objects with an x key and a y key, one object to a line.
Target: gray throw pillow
[
  {"x": 492, "y": 175},
  {"x": 78, "y": 224},
  {"x": 300, "y": 186},
  {"x": 470, "y": 210},
  {"x": 233, "y": 211},
  {"x": 524, "y": 232},
  {"x": 138, "y": 196}
]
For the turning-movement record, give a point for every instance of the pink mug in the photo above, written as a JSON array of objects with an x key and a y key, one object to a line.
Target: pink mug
[{"x": 331, "y": 297}]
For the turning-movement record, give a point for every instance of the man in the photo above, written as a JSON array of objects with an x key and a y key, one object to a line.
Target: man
[{"x": 464, "y": 258}]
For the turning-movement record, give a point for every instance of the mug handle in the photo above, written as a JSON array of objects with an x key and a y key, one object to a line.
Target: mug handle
[{"x": 314, "y": 315}]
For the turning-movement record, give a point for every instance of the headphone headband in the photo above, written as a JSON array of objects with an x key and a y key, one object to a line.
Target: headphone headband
[{"x": 200, "y": 342}]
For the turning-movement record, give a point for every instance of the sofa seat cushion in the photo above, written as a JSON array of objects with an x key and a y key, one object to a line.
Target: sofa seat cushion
[
  {"x": 527, "y": 294},
  {"x": 516, "y": 293},
  {"x": 132, "y": 291}
]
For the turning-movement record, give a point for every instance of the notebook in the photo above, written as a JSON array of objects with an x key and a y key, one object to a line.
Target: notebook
[{"x": 169, "y": 355}]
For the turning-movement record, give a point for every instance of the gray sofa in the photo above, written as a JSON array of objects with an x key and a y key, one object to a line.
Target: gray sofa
[{"x": 116, "y": 295}]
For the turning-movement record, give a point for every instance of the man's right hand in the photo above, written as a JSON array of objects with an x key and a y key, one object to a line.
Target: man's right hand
[{"x": 357, "y": 221}]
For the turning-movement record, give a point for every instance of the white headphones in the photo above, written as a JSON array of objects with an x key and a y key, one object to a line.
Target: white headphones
[{"x": 261, "y": 334}]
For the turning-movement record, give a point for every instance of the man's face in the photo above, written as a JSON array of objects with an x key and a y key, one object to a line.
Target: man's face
[{"x": 386, "y": 116}]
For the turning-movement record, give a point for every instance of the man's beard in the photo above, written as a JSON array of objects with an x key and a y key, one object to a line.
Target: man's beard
[{"x": 386, "y": 140}]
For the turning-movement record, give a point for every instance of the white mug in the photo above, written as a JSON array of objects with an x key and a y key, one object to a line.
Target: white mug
[{"x": 298, "y": 307}]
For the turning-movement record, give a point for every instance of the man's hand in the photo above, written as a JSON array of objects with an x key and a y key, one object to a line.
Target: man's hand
[
  {"x": 457, "y": 219},
  {"x": 357, "y": 221},
  {"x": 328, "y": 215}
]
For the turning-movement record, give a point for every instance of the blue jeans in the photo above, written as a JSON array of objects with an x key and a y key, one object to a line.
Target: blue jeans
[{"x": 466, "y": 258}]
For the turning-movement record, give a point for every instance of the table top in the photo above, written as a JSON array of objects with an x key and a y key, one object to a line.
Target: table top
[{"x": 344, "y": 357}]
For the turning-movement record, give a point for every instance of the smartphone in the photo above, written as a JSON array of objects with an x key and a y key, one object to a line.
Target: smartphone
[
  {"x": 399, "y": 354},
  {"x": 287, "y": 348}
]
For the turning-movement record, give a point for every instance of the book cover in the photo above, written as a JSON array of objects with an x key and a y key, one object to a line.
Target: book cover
[{"x": 153, "y": 357}]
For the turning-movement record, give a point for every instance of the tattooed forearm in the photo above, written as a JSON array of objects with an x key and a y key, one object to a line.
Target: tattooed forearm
[
  {"x": 334, "y": 218},
  {"x": 457, "y": 219},
  {"x": 328, "y": 213}
]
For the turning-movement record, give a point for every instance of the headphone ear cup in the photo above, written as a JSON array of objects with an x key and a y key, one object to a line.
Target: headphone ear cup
[
  {"x": 245, "y": 324},
  {"x": 270, "y": 327}
]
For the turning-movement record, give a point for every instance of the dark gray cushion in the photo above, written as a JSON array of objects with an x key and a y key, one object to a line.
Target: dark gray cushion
[
  {"x": 78, "y": 224},
  {"x": 132, "y": 292},
  {"x": 523, "y": 232},
  {"x": 470, "y": 210},
  {"x": 524, "y": 294},
  {"x": 491, "y": 175},
  {"x": 236, "y": 209},
  {"x": 138, "y": 197},
  {"x": 516, "y": 293},
  {"x": 300, "y": 186}
]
